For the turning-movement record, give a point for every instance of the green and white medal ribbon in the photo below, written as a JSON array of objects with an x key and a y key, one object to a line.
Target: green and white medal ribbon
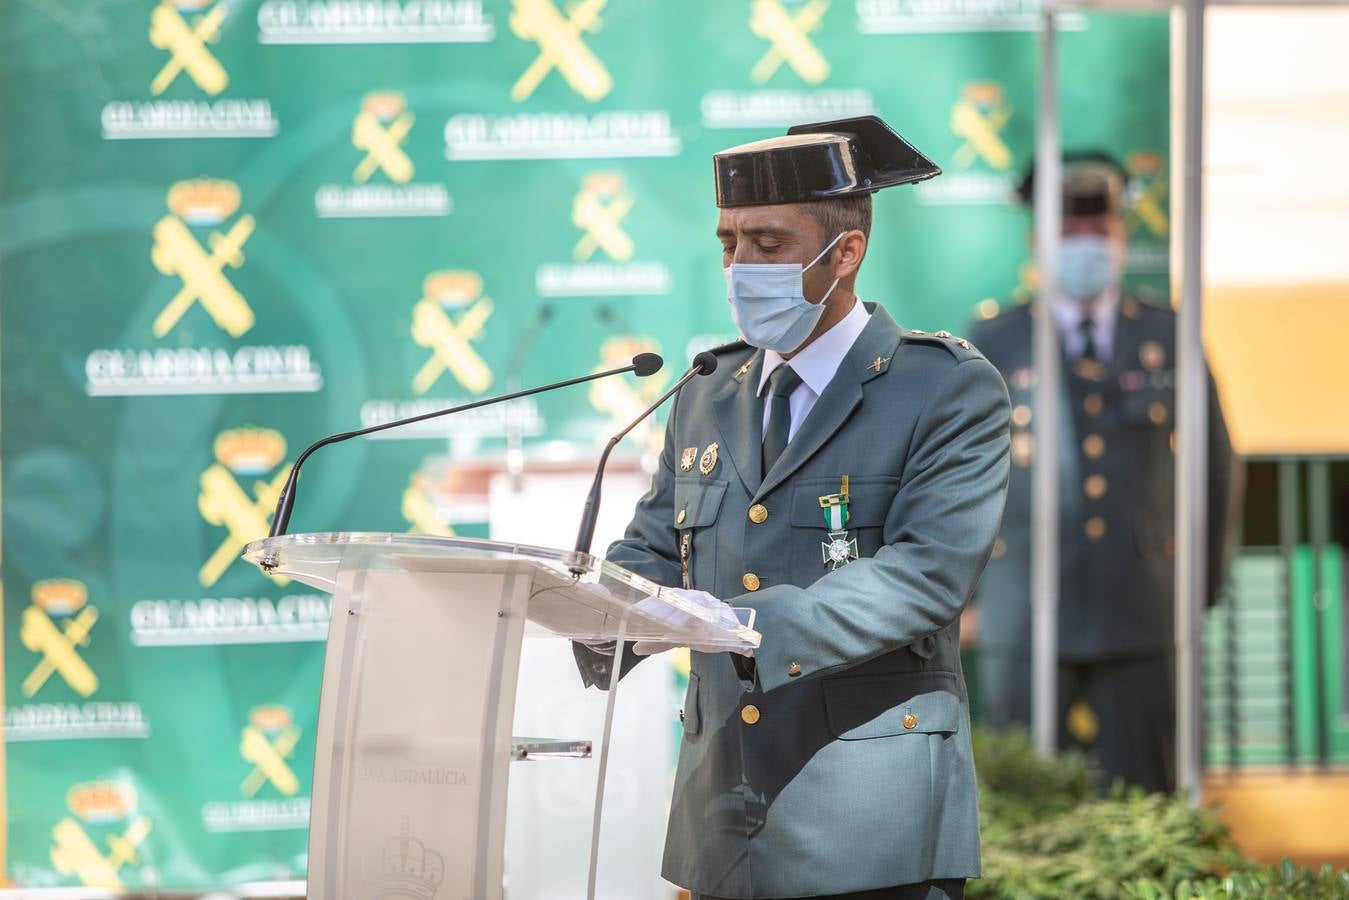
[{"x": 835, "y": 512}]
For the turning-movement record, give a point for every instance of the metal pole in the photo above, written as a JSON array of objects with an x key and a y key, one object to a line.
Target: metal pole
[
  {"x": 1290, "y": 532},
  {"x": 1192, "y": 427},
  {"x": 1318, "y": 508},
  {"x": 1045, "y": 356}
]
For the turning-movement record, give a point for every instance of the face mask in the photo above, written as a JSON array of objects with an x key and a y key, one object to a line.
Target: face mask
[
  {"x": 1086, "y": 266},
  {"x": 768, "y": 302}
]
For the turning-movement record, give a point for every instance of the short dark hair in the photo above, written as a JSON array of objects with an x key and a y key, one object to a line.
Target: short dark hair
[{"x": 839, "y": 214}]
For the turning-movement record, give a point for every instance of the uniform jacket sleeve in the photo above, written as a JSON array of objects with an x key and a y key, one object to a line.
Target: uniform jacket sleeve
[
  {"x": 647, "y": 549},
  {"x": 939, "y": 533}
]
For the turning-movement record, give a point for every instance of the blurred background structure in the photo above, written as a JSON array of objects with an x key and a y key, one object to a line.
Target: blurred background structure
[{"x": 228, "y": 228}]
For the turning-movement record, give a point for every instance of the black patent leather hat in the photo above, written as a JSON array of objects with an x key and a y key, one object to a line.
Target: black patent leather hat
[{"x": 819, "y": 161}]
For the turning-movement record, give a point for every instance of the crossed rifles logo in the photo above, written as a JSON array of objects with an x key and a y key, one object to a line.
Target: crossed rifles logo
[
  {"x": 978, "y": 117},
  {"x": 186, "y": 44},
  {"x": 790, "y": 36},
  {"x": 560, "y": 47},
  {"x": 448, "y": 318},
  {"x": 99, "y": 804},
  {"x": 599, "y": 209},
  {"x": 1145, "y": 194},
  {"x": 240, "y": 453},
  {"x": 268, "y": 740},
  {"x": 380, "y": 129},
  {"x": 176, "y": 252},
  {"x": 63, "y": 601}
]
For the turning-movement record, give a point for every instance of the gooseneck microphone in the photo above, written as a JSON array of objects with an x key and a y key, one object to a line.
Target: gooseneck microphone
[
  {"x": 643, "y": 364},
  {"x": 705, "y": 363}
]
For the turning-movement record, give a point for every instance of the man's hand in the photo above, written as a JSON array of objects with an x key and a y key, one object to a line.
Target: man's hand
[{"x": 701, "y": 599}]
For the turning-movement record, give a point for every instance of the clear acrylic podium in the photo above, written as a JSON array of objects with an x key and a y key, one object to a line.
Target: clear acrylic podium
[{"x": 414, "y": 743}]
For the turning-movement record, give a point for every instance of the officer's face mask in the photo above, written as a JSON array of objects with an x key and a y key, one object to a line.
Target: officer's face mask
[
  {"x": 768, "y": 302},
  {"x": 1086, "y": 266}
]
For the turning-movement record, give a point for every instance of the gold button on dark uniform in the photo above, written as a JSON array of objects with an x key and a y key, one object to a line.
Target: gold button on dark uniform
[
  {"x": 1093, "y": 405},
  {"x": 1095, "y": 528},
  {"x": 750, "y": 581},
  {"x": 1157, "y": 413},
  {"x": 1094, "y": 487},
  {"x": 1093, "y": 445},
  {"x": 683, "y": 514},
  {"x": 910, "y": 720},
  {"x": 758, "y": 513},
  {"x": 750, "y": 714},
  {"x": 794, "y": 669},
  {"x": 1021, "y": 416}
]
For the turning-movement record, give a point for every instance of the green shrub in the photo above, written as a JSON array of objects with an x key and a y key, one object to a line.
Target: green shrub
[
  {"x": 1048, "y": 834},
  {"x": 1286, "y": 880}
]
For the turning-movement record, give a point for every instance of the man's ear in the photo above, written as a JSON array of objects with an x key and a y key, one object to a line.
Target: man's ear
[{"x": 848, "y": 254}]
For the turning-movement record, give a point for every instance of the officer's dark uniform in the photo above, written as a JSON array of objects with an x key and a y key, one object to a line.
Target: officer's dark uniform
[{"x": 1117, "y": 545}]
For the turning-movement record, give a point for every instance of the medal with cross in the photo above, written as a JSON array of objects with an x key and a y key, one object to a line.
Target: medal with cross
[{"x": 839, "y": 549}]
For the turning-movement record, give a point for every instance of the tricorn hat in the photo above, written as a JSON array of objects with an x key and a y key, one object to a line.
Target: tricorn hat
[
  {"x": 817, "y": 162},
  {"x": 1093, "y": 184}
]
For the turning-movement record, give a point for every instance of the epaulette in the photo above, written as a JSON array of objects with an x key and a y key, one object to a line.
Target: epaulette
[
  {"x": 729, "y": 347},
  {"x": 958, "y": 347}
]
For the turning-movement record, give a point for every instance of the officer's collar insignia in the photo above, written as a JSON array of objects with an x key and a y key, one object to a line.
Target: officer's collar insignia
[{"x": 878, "y": 363}]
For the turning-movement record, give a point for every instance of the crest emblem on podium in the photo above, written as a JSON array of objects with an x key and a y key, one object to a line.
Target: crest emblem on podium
[{"x": 408, "y": 869}]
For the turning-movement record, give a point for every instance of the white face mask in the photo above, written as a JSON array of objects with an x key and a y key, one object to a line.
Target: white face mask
[
  {"x": 768, "y": 302},
  {"x": 1086, "y": 266}
]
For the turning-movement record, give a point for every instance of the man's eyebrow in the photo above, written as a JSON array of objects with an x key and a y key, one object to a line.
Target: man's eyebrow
[{"x": 756, "y": 231}]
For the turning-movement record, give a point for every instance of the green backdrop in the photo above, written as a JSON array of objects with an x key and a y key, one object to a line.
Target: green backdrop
[{"x": 228, "y": 228}]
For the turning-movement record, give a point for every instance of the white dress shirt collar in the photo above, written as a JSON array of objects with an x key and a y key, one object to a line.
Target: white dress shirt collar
[
  {"x": 819, "y": 361},
  {"x": 1069, "y": 313}
]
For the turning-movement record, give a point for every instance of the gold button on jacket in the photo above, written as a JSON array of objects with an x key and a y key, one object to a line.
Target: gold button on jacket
[
  {"x": 758, "y": 514},
  {"x": 750, "y": 581},
  {"x": 750, "y": 714}
]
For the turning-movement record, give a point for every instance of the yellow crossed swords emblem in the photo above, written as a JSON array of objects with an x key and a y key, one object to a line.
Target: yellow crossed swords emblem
[
  {"x": 560, "y": 47},
  {"x": 1146, "y": 192},
  {"x": 268, "y": 755},
  {"x": 223, "y": 500},
  {"x": 449, "y": 339},
  {"x": 382, "y": 145},
  {"x": 979, "y": 128},
  {"x": 770, "y": 21},
  {"x": 75, "y": 854},
  {"x": 624, "y": 400},
  {"x": 176, "y": 252},
  {"x": 57, "y": 645},
  {"x": 419, "y": 509},
  {"x": 187, "y": 47},
  {"x": 600, "y": 220}
]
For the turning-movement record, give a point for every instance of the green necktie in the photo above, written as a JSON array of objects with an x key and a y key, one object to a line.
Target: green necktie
[{"x": 781, "y": 383}]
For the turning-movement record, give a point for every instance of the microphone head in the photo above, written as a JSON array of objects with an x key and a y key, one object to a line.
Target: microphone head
[
  {"x": 706, "y": 362},
  {"x": 644, "y": 364}
]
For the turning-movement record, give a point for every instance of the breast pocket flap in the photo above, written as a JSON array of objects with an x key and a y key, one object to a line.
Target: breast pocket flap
[
  {"x": 697, "y": 501},
  {"x": 869, "y": 500},
  {"x": 872, "y": 706}
]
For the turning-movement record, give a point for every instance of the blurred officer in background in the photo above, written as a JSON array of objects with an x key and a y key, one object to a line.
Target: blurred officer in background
[{"x": 1116, "y": 499}]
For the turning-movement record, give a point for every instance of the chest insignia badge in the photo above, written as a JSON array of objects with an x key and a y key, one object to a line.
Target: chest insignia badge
[
  {"x": 709, "y": 460},
  {"x": 687, "y": 458}
]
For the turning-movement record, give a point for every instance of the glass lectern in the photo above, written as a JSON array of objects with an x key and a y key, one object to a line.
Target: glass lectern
[{"x": 414, "y": 743}]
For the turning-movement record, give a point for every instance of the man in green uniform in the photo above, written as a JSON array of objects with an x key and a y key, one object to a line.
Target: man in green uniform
[
  {"x": 844, "y": 477},
  {"x": 1116, "y": 495}
]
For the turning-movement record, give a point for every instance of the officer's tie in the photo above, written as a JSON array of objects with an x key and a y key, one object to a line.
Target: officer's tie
[
  {"x": 1086, "y": 326},
  {"x": 781, "y": 383}
]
